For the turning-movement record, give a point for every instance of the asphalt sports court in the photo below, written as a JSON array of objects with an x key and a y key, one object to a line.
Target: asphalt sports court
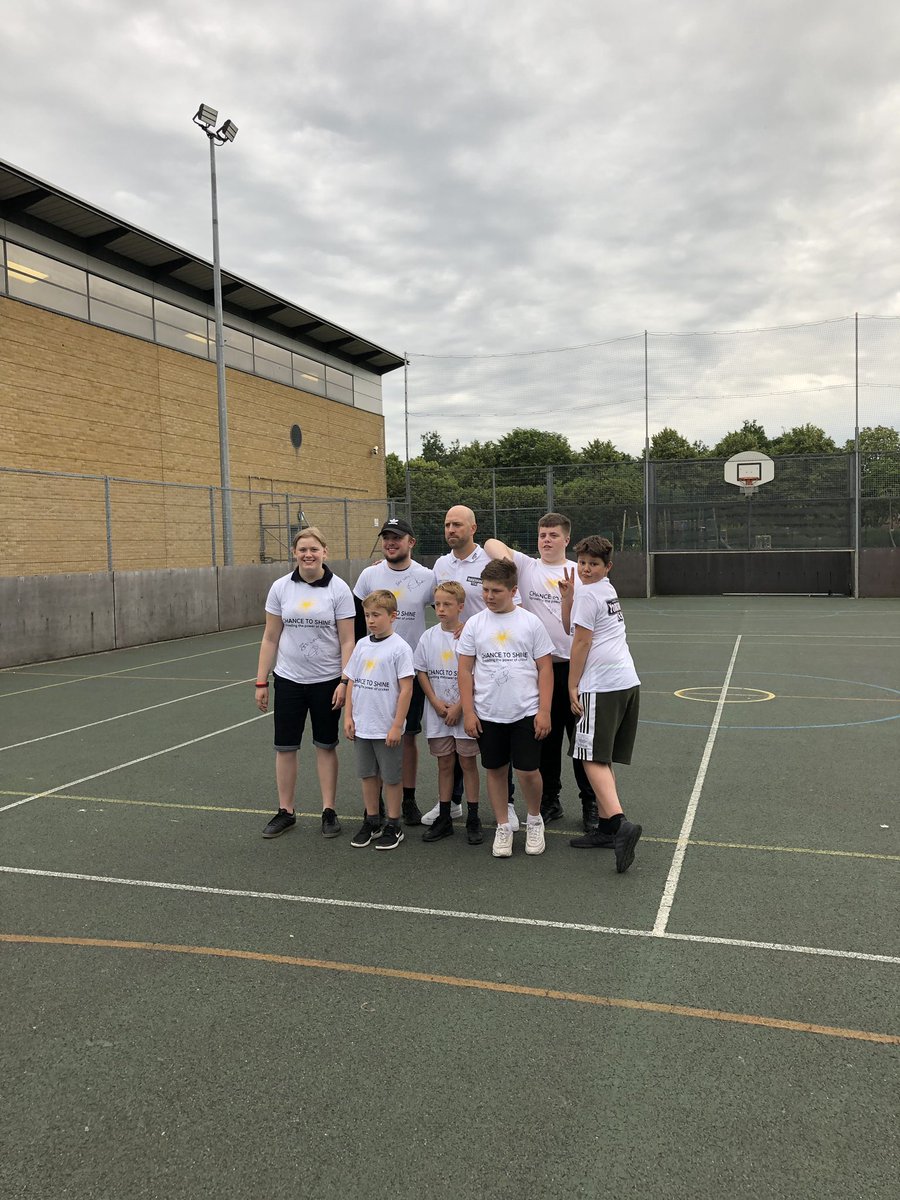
[{"x": 191, "y": 1010}]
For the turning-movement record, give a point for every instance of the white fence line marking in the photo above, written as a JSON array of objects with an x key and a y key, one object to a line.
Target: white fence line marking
[
  {"x": 120, "y": 716},
  {"x": 456, "y": 914},
  {"x": 671, "y": 884},
  {"x": 131, "y": 763}
]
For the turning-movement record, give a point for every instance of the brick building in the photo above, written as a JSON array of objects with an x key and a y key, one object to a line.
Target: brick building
[{"x": 107, "y": 369}]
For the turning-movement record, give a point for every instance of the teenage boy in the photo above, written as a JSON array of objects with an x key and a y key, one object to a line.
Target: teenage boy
[
  {"x": 379, "y": 688},
  {"x": 435, "y": 660},
  {"x": 604, "y": 691},
  {"x": 506, "y": 687},
  {"x": 413, "y": 585},
  {"x": 464, "y": 563},
  {"x": 539, "y": 580},
  {"x": 308, "y": 639}
]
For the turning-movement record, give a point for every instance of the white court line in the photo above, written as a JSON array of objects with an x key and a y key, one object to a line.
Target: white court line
[
  {"x": 120, "y": 716},
  {"x": 457, "y": 914},
  {"x": 131, "y": 763},
  {"x": 840, "y": 637},
  {"x": 124, "y": 670},
  {"x": 45, "y": 662},
  {"x": 668, "y": 896}
]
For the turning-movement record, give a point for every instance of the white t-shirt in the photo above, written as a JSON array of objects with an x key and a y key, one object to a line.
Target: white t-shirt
[
  {"x": 539, "y": 589},
  {"x": 376, "y": 668},
  {"x": 466, "y": 571},
  {"x": 436, "y": 655},
  {"x": 609, "y": 666},
  {"x": 309, "y": 650},
  {"x": 505, "y": 647},
  {"x": 414, "y": 589}
]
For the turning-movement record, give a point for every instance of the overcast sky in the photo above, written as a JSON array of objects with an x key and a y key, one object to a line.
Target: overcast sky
[{"x": 457, "y": 178}]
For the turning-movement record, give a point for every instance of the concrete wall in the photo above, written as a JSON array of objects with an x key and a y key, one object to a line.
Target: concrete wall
[
  {"x": 55, "y": 616},
  {"x": 154, "y": 606},
  {"x": 879, "y": 572}
]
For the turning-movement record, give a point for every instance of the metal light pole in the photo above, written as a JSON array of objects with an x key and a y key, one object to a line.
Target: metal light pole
[{"x": 206, "y": 118}]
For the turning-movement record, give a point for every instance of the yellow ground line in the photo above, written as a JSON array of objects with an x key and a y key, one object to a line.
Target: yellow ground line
[
  {"x": 482, "y": 985},
  {"x": 565, "y": 833}
]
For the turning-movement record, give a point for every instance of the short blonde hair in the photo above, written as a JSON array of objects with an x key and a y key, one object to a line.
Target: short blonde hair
[
  {"x": 452, "y": 588},
  {"x": 381, "y": 598},
  {"x": 312, "y": 531}
]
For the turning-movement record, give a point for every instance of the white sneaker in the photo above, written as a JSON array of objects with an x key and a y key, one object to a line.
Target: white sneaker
[
  {"x": 513, "y": 819},
  {"x": 534, "y": 838},
  {"x": 503, "y": 842},
  {"x": 433, "y": 813}
]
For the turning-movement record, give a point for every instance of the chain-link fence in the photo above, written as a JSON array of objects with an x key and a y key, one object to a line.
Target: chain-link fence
[{"x": 52, "y": 522}]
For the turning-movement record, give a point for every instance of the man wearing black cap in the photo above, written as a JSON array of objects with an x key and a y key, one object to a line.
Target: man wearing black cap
[{"x": 413, "y": 585}]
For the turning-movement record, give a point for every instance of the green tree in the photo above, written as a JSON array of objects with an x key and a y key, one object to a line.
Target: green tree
[
  {"x": 396, "y": 475},
  {"x": 433, "y": 448},
  {"x": 875, "y": 439},
  {"x": 750, "y": 436},
  {"x": 531, "y": 448},
  {"x": 803, "y": 439},
  {"x": 600, "y": 451},
  {"x": 669, "y": 443}
]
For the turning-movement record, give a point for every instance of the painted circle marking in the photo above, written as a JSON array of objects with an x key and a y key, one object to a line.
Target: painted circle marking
[{"x": 734, "y": 695}]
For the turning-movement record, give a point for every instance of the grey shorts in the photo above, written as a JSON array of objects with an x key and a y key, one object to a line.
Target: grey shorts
[{"x": 378, "y": 758}]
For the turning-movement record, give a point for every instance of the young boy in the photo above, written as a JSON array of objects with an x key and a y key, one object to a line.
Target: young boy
[
  {"x": 604, "y": 691},
  {"x": 435, "y": 660},
  {"x": 379, "y": 679},
  {"x": 506, "y": 686}
]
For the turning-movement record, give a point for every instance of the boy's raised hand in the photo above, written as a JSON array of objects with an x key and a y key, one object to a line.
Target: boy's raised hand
[{"x": 567, "y": 584}]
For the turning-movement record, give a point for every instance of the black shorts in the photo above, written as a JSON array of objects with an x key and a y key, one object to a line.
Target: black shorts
[
  {"x": 416, "y": 709},
  {"x": 608, "y": 728},
  {"x": 501, "y": 744},
  {"x": 293, "y": 701}
]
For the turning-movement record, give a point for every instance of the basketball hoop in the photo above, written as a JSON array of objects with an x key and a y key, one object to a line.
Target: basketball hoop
[{"x": 748, "y": 484}]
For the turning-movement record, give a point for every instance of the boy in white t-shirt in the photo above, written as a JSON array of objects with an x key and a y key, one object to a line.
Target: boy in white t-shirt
[
  {"x": 506, "y": 687},
  {"x": 435, "y": 660},
  {"x": 604, "y": 691},
  {"x": 379, "y": 679}
]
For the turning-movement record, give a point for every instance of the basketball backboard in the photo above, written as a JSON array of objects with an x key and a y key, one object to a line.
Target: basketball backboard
[{"x": 748, "y": 469}]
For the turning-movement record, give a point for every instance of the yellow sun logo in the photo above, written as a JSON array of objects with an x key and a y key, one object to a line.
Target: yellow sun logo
[
  {"x": 502, "y": 637},
  {"x": 398, "y": 592},
  {"x": 306, "y": 605},
  {"x": 446, "y": 655},
  {"x": 552, "y": 583},
  {"x": 370, "y": 665}
]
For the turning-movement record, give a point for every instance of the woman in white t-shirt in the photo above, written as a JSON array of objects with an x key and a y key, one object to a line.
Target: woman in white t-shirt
[{"x": 308, "y": 640}]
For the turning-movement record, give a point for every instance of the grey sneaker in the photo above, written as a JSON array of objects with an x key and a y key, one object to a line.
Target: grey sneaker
[
  {"x": 280, "y": 823},
  {"x": 331, "y": 826}
]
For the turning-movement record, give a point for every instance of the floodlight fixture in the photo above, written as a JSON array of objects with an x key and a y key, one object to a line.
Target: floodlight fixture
[
  {"x": 227, "y": 132},
  {"x": 206, "y": 116}
]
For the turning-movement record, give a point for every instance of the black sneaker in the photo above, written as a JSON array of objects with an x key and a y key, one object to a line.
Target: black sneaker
[
  {"x": 366, "y": 833},
  {"x": 625, "y": 841},
  {"x": 331, "y": 826},
  {"x": 474, "y": 833},
  {"x": 411, "y": 813},
  {"x": 391, "y": 837},
  {"x": 441, "y": 828},
  {"x": 551, "y": 809},
  {"x": 589, "y": 815},
  {"x": 594, "y": 840},
  {"x": 280, "y": 823}
]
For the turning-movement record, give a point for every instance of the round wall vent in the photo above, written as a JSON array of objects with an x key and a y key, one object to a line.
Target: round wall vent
[{"x": 296, "y": 437}]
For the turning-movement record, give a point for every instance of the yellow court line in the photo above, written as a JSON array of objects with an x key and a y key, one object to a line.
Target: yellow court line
[
  {"x": 482, "y": 985},
  {"x": 564, "y": 833}
]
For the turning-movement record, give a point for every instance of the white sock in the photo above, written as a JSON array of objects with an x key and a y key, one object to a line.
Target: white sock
[
  {"x": 538, "y": 820},
  {"x": 505, "y": 826}
]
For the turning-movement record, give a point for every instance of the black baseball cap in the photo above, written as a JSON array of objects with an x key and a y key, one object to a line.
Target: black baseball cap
[{"x": 397, "y": 525}]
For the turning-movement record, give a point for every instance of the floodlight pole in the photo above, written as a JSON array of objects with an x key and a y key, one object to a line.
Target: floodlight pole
[{"x": 206, "y": 119}]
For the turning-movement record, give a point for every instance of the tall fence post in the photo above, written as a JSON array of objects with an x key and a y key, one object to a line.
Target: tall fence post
[
  {"x": 346, "y": 530},
  {"x": 648, "y": 559},
  {"x": 108, "y": 503},
  {"x": 857, "y": 472},
  {"x": 494, "y": 496},
  {"x": 287, "y": 524},
  {"x": 212, "y": 524},
  {"x": 549, "y": 489}
]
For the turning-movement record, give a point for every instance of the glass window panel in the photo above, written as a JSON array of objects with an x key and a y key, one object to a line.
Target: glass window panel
[
  {"x": 180, "y": 318},
  {"x": 27, "y": 265},
  {"x": 367, "y": 387},
  {"x": 122, "y": 297},
  {"x": 180, "y": 339},
  {"x": 272, "y": 353},
  {"x": 233, "y": 338},
  {"x": 242, "y": 359},
  {"x": 367, "y": 403},
  {"x": 341, "y": 378},
  {"x": 47, "y": 295},
  {"x": 308, "y": 374},
  {"x": 120, "y": 318},
  {"x": 273, "y": 370},
  {"x": 2, "y": 264},
  {"x": 341, "y": 394}
]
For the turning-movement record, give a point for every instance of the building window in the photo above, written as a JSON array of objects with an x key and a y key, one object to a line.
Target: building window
[
  {"x": 238, "y": 347},
  {"x": 182, "y": 330},
  {"x": 272, "y": 361},
  {"x": 44, "y": 281},
  {"x": 338, "y": 385},
  {"x": 308, "y": 374},
  {"x": 120, "y": 307}
]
